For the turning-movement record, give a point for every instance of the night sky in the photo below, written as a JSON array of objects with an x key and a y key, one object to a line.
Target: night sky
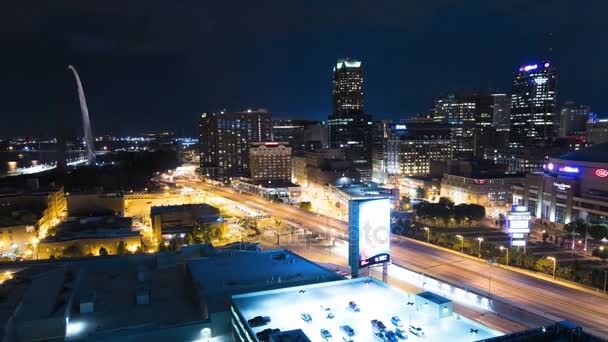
[{"x": 154, "y": 65}]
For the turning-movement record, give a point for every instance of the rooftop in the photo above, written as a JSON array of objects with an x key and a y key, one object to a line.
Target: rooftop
[
  {"x": 595, "y": 154},
  {"x": 236, "y": 272},
  {"x": 376, "y": 300},
  {"x": 180, "y": 207}
]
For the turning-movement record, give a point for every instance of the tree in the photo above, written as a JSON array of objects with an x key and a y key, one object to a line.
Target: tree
[
  {"x": 73, "y": 251},
  {"x": 446, "y": 202},
  {"x": 305, "y": 205},
  {"x": 121, "y": 248},
  {"x": 477, "y": 211},
  {"x": 103, "y": 251}
]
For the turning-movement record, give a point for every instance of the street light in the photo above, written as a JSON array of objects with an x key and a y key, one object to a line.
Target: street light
[
  {"x": 554, "y": 265},
  {"x": 428, "y": 234},
  {"x": 506, "y": 249},
  {"x": 480, "y": 239},
  {"x": 461, "y": 243}
]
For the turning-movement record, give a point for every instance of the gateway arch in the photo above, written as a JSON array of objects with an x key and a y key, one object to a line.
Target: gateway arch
[{"x": 86, "y": 122}]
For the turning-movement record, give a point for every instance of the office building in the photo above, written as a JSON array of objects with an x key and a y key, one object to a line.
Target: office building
[
  {"x": 533, "y": 117},
  {"x": 349, "y": 127},
  {"x": 270, "y": 161},
  {"x": 501, "y": 111},
  {"x": 573, "y": 119},
  {"x": 597, "y": 131},
  {"x": 574, "y": 185},
  {"x": 459, "y": 112},
  {"x": 319, "y": 168},
  {"x": 301, "y": 135},
  {"x": 224, "y": 140}
]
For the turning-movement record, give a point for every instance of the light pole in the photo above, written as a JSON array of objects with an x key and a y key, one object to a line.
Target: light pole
[
  {"x": 605, "y": 278},
  {"x": 428, "y": 234},
  {"x": 506, "y": 249},
  {"x": 461, "y": 243},
  {"x": 480, "y": 239},
  {"x": 554, "y": 265}
]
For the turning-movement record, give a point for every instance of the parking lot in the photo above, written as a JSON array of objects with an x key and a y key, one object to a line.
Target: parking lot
[{"x": 376, "y": 300}]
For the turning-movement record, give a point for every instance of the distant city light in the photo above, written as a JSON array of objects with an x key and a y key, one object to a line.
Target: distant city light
[
  {"x": 550, "y": 166},
  {"x": 601, "y": 173}
]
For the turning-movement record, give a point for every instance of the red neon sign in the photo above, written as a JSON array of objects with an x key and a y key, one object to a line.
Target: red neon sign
[{"x": 601, "y": 173}]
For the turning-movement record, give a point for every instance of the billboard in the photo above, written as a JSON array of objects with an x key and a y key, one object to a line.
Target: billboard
[
  {"x": 370, "y": 232},
  {"x": 518, "y": 225}
]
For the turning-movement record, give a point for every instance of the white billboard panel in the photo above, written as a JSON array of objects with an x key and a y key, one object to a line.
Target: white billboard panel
[{"x": 370, "y": 231}]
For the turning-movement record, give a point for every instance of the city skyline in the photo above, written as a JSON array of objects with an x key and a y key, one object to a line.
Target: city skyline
[{"x": 125, "y": 75}]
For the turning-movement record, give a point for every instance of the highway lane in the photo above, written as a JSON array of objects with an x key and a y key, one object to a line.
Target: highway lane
[{"x": 588, "y": 310}]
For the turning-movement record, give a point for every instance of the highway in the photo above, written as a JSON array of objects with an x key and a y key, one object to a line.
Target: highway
[{"x": 588, "y": 310}]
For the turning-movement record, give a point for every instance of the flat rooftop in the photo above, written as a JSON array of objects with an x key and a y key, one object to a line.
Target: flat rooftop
[
  {"x": 236, "y": 272},
  {"x": 361, "y": 190},
  {"x": 375, "y": 299},
  {"x": 181, "y": 207}
]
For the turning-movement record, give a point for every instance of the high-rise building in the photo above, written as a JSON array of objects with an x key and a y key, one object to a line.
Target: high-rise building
[
  {"x": 533, "y": 119},
  {"x": 597, "y": 131},
  {"x": 459, "y": 112},
  {"x": 224, "y": 140},
  {"x": 302, "y": 135},
  {"x": 573, "y": 119},
  {"x": 501, "y": 112},
  {"x": 349, "y": 127},
  {"x": 270, "y": 161}
]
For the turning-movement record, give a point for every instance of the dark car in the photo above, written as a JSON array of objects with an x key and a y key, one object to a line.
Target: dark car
[
  {"x": 264, "y": 335},
  {"x": 402, "y": 334},
  {"x": 326, "y": 335},
  {"x": 348, "y": 330},
  {"x": 353, "y": 306},
  {"x": 417, "y": 331},
  {"x": 379, "y": 335},
  {"x": 258, "y": 321},
  {"x": 378, "y": 325},
  {"x": 391, "y": 336}
]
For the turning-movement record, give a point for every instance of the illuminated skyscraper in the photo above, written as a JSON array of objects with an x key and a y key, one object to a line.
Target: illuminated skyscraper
[
  {"x": 533, "y": 119},
  {"x": 224, "y": 140},
  {"x": 349, "y": 127}
]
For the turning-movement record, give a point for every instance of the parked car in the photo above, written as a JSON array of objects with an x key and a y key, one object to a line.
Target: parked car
[
  {"x": 402, "y": 334},
  {"x": 258, "y": 321},
  {"x": 353, "y": 306},
  {"x": 264, "y": 335},
  {"x": 347, "y": 330},
  {"x": 380, "y": 336},
  {"x": 391, "y": 336},
  {"x": 306, "y": 317},
  {"x": 396, "y": 321},
  {"x": 326, "y": 335},
  {"x": 378, "y": 325},
  {"x": 417, "y": 331},
  {"x": 330, "y": 315}
]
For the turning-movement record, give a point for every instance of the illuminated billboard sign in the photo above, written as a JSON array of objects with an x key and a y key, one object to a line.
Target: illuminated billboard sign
[
  {"x": 518, "y": 224},
  {"x": 569, "y": 169},
  {"x": 369, "y": 231},
  {"x": 601, "y": 173}
]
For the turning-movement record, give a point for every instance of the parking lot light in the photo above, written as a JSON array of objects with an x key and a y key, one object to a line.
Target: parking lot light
[
  {"x": 480, "y": 239},
  {"x": 554, "y": 265},
  {"x": 461, "y": 243},
  {"x": 506, "y": 249}
]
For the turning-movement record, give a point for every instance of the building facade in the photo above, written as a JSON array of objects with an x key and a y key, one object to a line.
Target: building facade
[
  {"x": 493, "y": 192},
  {"x": 575, "y": 185},
  {"x": 349, "y": 128},
  {"x": 597, "y": 131},
  {"x": 533, "y": 117},
  {"x": 302, "y": 135},
  {"x": 573, "y": 119},
  {"x": 270, "y": 161},
  {"x": 224, "y": 140}
]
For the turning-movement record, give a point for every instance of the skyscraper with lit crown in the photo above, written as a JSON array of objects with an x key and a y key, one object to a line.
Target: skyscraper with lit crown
[
  {"x": 533, "y": 118},
  {"x": 349, "y": 127}
]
